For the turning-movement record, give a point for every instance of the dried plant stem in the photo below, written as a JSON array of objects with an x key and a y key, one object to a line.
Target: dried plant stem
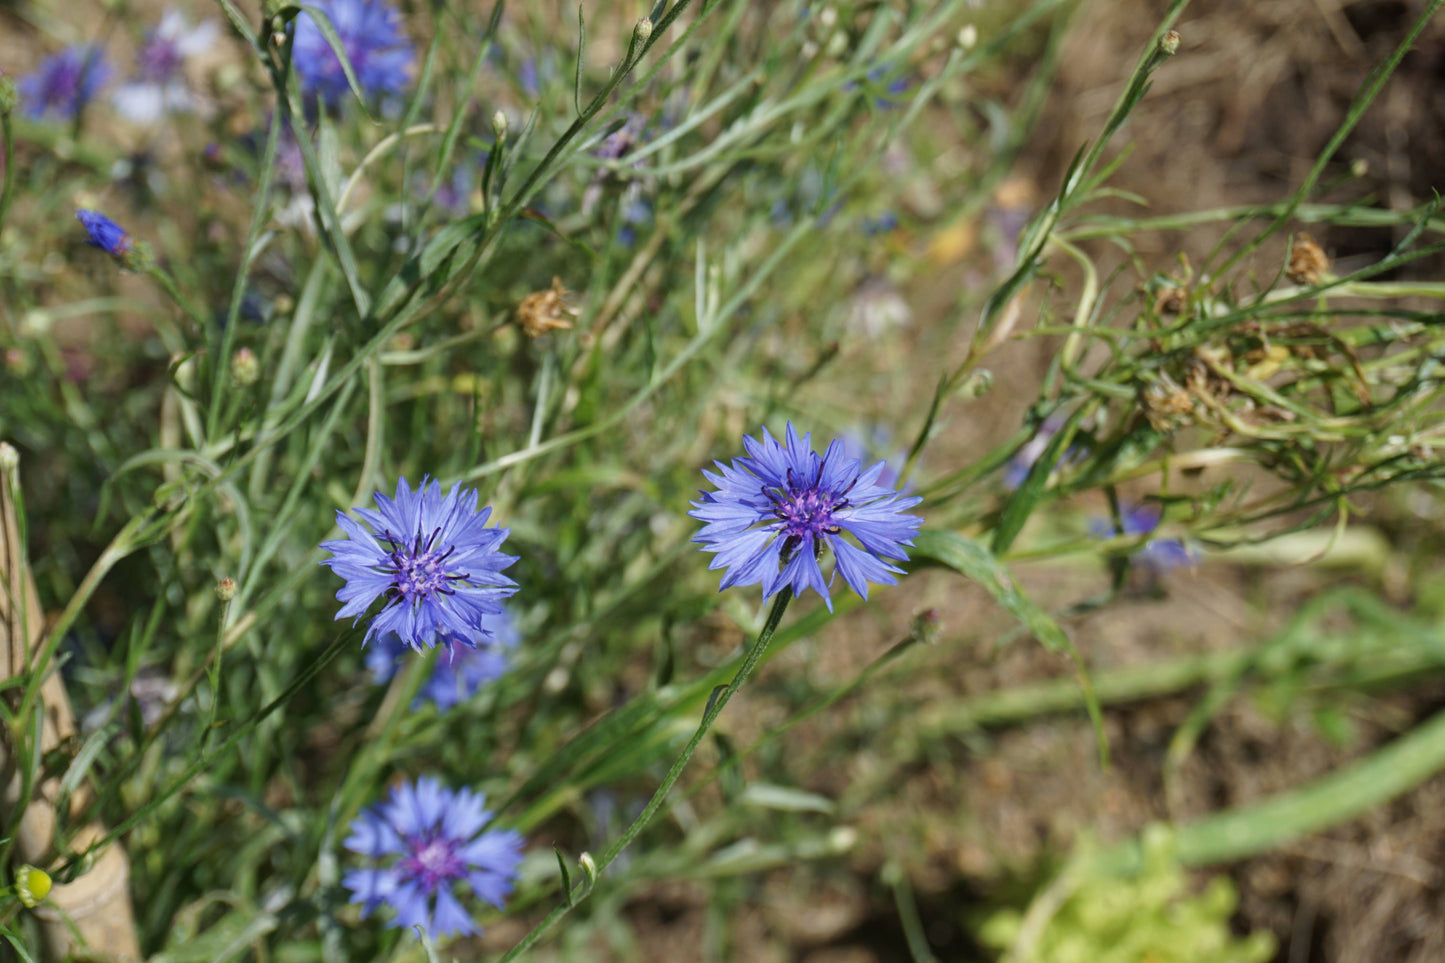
[{"x": 93, "y": 910}]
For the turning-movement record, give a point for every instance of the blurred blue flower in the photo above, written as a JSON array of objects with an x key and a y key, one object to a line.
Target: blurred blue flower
[
  {"x": 891, "y": 87},
  {"x": 433, "y": 840},
  {"x": 104, "y": 233},
  {"x": 775, "y": 512},
  {"x": 882, "y": 224},
  {"x": 370, "y": 32},
  {"x": 636, "y": 212},
  {"x": 64, "y": 82},
  {"x": 1157, "y": 554},
  {"x": 454, "y": 195},
  {"x": 159, "y": 86},
  {"x": 1018, "y": 467},
  {"x": 433, "y": 560},
  {"x": 459, "y": 673}
]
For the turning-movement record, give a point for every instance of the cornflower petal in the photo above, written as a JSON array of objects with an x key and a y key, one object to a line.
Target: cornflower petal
[{"x": 370, "y": 887}]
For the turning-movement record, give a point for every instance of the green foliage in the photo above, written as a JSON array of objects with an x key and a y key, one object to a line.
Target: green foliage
[{"x": 1150, "y": 917}]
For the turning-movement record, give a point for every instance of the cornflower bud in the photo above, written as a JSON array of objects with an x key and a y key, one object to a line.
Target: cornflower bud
[
  {"x": 9, "y": 96},
  {"x": 643, "y": 30},
  {"x": 31, "y": 885},
  {"x": 226, "y": 589},
  {"x": 1169, "y": 43},
  {"x": 245, "y": 369}
]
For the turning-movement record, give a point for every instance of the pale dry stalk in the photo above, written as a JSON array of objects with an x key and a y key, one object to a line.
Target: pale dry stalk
[{"x": 90, "y": 916}]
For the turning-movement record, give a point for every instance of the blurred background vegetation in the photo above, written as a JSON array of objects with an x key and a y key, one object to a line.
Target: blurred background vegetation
[{"x": 1156, "y": 337}]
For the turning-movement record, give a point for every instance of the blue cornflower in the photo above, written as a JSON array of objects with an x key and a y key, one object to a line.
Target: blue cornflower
[
  {"x": 458, "y": 674},
  {"x": 159, "y": 84},
  {"x": 376, "y": 46},
  {"x": 1157, "y": 554},
  {"x": 775, "y": 512},
  {"x": 64, "y": 82},
  {"x": 433, "y": 560},
  {"x": 104, "y": 233},
  {"x": 435, "y": 836}
]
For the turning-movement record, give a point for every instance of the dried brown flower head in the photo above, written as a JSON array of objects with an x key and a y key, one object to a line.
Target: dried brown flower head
[
  {"x": 1170, "y": 299},
  {"x": 1307, "y": 260},
  {"x": 543, "y": 311}
]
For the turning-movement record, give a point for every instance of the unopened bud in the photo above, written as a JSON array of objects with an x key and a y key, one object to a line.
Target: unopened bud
[
  {"x": 926, "y": 626},
  {"x": 499, "y": 124},
  {"x": 1169, "y": 43},
  {"x": 183, "y": 370},
  {"x": 589, "y": 866},
  {"x": 226, "y": 589},
  {"x": 967, "y": 37},
  {"x": 1359, "y": 167},
  {"x": 644, "y": 30},
  {"x": 9, "y": 96},
  {"x": 978, "y": 384},
  {"x": 31, "y": 885},
  {"x": 9, "y": 457},
  {"x": 245, "y": 369}
]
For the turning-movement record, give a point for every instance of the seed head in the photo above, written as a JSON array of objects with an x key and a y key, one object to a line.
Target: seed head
[{"x": 1307, "y": 261}]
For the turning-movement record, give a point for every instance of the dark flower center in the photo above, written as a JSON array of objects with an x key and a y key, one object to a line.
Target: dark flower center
[
  {"x": 430, "y": 861},
  {"x": 805, "y": 511},
  {"x": 419, "y": 568}
]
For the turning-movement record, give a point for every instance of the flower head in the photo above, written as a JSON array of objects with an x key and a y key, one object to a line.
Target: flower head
[
  {"x": 159, "y": 86},
  {"x": 431, "y": 557},
  {"x": 32, "y": 885},
  {"x": 370, "y": 32},
  {"x": 459, "y": 673},
  {"x": 1157, "y": 554},
  {"x": 64, "y": 82},
  {"x": 102, "y": 232},
  {"x": 432, "y": 840},
  {"x": 775, "y": 512}
]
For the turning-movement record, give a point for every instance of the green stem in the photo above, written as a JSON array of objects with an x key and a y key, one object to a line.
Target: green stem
[
  {"x": 9, "y": 167},
  {"x": 1335, "y": 798},
  {"x": 714, "y": 709}
]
